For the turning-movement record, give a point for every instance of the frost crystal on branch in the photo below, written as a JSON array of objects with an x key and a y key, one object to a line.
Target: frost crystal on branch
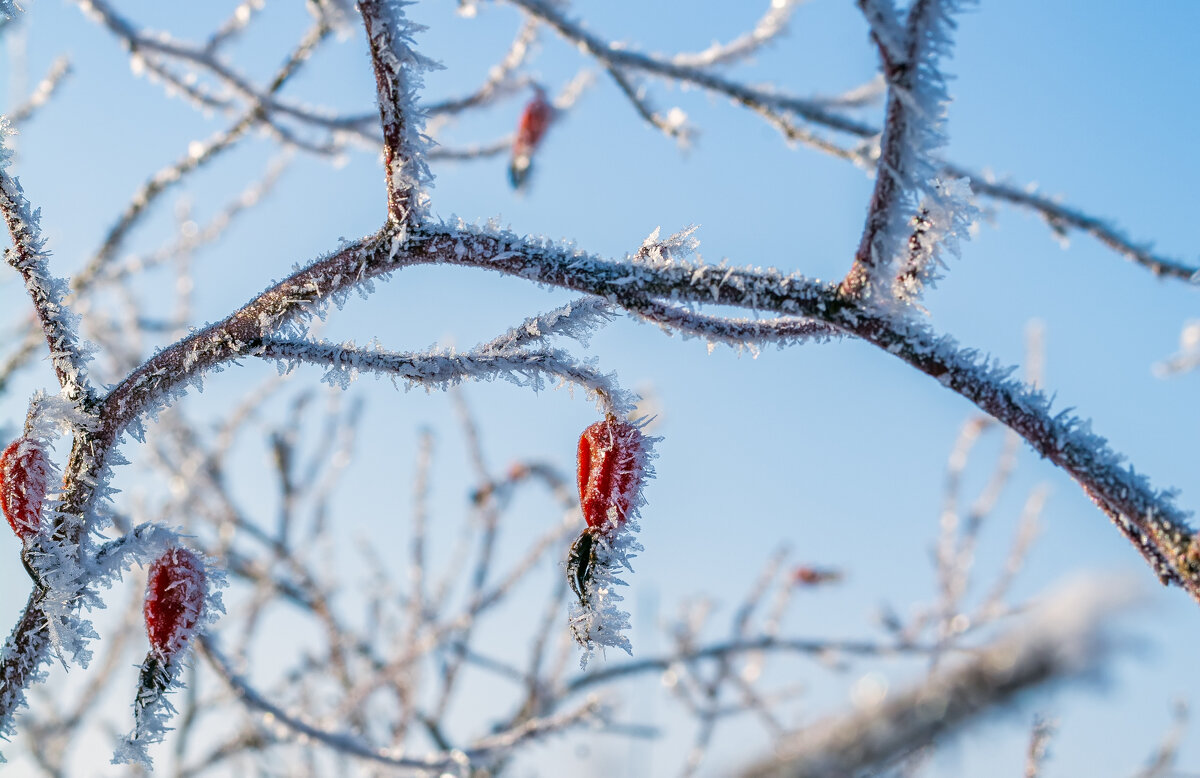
[{"x": 942, "y": 220}]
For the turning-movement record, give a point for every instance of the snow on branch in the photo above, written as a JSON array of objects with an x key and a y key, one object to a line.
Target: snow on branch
[
  {"x": 23, "y": 654},
  {"x": 1063, "y": 641},
  {"x": 398, "y": 68}
]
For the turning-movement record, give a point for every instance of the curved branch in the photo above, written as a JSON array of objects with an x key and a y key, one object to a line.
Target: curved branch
[{"x": 443, "y": 370}]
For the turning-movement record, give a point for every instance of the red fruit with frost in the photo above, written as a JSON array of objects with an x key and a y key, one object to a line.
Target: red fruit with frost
[
  {"x": 612, "y": 458},
  {"x": 24, "y": 473},
  {"x": 175, "y": 594}
]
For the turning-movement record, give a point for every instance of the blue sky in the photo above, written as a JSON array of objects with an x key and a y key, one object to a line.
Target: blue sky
[{"x": 835, "y": 450}]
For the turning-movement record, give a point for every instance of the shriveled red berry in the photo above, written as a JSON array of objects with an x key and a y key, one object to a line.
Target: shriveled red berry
[
  {"x": 24, "y": 473},
  {"x": 175, "y": 594},
  {"x": 612, "y": 457}
]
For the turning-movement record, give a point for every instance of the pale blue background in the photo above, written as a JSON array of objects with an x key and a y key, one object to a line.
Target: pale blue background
[{"x": 836, "y": 450}]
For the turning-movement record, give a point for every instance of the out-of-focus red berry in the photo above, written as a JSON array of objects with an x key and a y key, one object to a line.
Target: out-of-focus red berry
[
  {"x": 175, "y": 593},
  {"x": 531, "y": 128},
  {"x": 814, "y": 576},
  {"x": 24, "y": 471},
  {"x": 611, "y": 458}
]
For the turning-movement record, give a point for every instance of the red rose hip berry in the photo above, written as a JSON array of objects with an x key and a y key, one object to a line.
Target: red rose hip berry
[
  {"x": 175, "y": 592},
  {"x": 611, "y": 460},
  {"x": 24, "y": 473}
]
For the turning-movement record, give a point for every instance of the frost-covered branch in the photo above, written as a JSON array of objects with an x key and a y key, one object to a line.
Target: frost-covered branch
[
  {"x": 146, "y": 49},
  {"x": 1038, "y": 751},
  {"x": 28, "y": 257},
  {"x": 776, "y": 107},
  {"x": 499, "y": 80},
  {"x": 198, "y": 155},
  {"x": 736, "y": 333},
  {"x": 1147, "y": 516},
  {"x": 673, "y": 124},
  {"x": 1062, "y": 218},
  {"x": 612, "y": 54},
  {"x": 912, "y": 132},
  {"x": 58, "y": 72},
  {"x": 398, "y": 69},
  {"x": 236, "y": 24},
  {"x": 1064, "y": 641},
  {"x": 771, "y": 25},
  {"x": 444, "y": 370},
  {"x": 351, "y": 745},
  {"x": 193, "y": 237}
]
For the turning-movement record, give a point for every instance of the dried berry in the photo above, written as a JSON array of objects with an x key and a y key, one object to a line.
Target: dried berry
[
  {"x": 535, "y": 120},
  {"x": 612, "y": 457},
  {"x": 175, "y": 594},
  {"x": 24, "y": 473}
]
